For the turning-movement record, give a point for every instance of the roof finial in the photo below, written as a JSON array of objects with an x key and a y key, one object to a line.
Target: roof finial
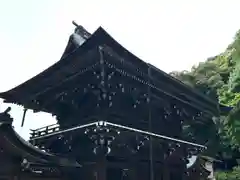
[
  {"x": 75, "y": 24},
  {"x": 81, "y": 30}
]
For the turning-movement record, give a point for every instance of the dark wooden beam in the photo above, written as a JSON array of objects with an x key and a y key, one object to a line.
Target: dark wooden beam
[{"x": 166, "y": 89}]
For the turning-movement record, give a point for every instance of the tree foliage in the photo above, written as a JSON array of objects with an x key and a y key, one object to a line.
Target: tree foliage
[
  {"x": 230, "y": 175},
  {"x": 219, "y": 78}
]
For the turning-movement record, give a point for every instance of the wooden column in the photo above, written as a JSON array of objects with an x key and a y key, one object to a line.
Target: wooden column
[
  {"x": 165, "y": 172},
  {"x": 101, "y": 169},
  {"x": 133, "y": 168},
  {"x": 132, "y": 173}
]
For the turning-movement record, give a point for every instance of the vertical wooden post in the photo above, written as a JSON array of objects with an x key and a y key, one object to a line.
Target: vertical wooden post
[
  {"x": 132, "y": 173},
  {"x": 133, "y": 168},
  {"x": 101, "y": 169},
  {"x": 166, "y": 173},
  {"x": 24, "y": 115}
]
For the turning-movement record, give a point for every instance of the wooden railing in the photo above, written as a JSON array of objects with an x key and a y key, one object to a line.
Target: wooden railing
[{"x": 44, "y": 130}]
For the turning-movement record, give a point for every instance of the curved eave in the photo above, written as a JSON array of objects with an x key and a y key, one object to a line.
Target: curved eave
[
  {"x": 198, "y": 168},
  {"x": 11, "y": 95},
  {"x": 98, "y": 38},
  {"x": 12, "y": 143}
]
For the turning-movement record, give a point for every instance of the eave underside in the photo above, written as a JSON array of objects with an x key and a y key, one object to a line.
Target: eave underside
[
  {"x": 85, "y": 58},
  {"x": 14, "y": 147}
]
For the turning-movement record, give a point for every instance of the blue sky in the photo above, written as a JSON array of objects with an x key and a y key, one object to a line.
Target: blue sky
[{"x": 170, "y": 34}]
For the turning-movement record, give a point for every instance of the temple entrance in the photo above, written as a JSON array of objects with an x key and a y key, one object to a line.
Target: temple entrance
[{"x": 118, "y": 117}]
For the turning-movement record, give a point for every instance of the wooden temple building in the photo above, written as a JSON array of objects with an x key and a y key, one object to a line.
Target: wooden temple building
[{"x": 119, "y": 118}]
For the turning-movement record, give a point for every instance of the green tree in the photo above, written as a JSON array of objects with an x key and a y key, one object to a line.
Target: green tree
[
  {"x": 219, "y": 78},
  {"x": 231, "y": 175}
]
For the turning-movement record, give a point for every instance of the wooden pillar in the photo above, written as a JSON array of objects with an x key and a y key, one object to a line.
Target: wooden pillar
[
  {"x": 166, "y": 172},
  {"x": 132, "y": 173},
  {"x": 101, "y": 169},
  {"x": 133, "y": 169}
]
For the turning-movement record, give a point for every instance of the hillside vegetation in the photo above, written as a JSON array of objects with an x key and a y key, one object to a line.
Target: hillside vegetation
[{"x": 219, "y": 78}]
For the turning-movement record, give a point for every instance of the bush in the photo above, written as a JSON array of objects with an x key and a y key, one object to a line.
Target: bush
[{"x": 230, "y": 175}]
